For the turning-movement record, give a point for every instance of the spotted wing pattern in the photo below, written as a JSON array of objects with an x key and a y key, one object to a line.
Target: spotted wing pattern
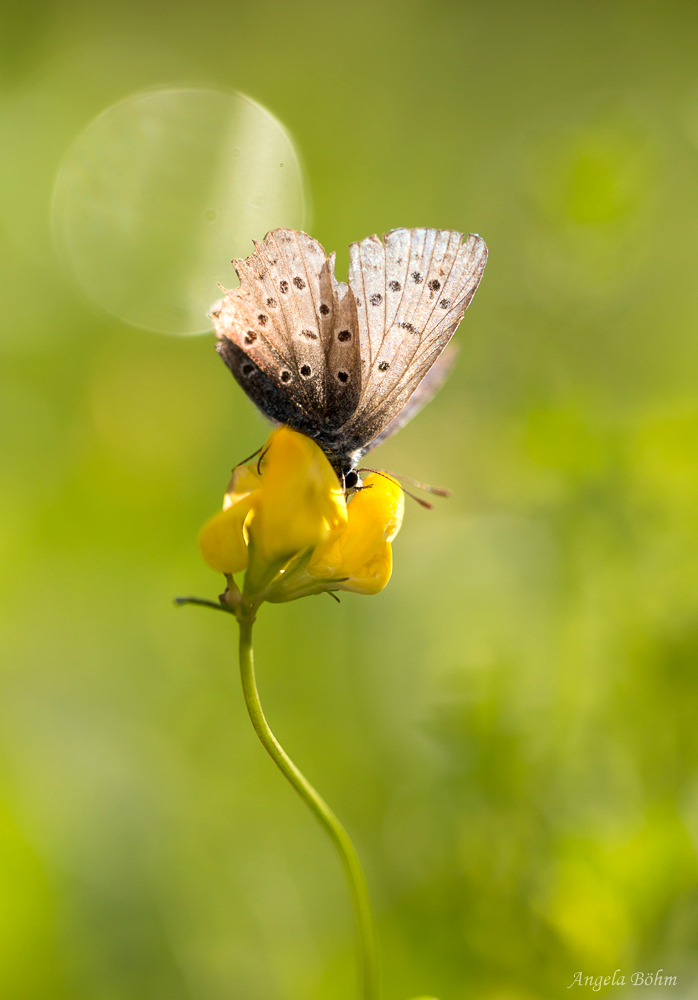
[
  {"x": 424, "y": 393},
  {"x": 411, "y": 294},
  {"x": 291, "y": 324},
  {"x": 346, "y": 364}
]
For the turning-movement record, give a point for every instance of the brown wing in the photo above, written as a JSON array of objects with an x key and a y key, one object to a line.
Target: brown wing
[
  {"x": 282, "y": 318},
  {"x": 411, "y": 294},
  {"x": 423, "y": 394},
  {"x": 343, "y": 353}
]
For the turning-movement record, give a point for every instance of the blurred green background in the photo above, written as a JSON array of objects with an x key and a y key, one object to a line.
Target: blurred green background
[{"x": 509, "y": 730}]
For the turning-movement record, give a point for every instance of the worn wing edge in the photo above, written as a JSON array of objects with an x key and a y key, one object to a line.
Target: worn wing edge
[{"x": 423, "y": 394}]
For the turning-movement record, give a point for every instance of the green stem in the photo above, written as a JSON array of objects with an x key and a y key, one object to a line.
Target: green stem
[{"x": 368, "y": 964}]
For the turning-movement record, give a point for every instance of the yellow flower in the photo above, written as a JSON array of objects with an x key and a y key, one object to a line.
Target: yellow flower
[
  {"x": 299, "y": 500},
  {"x": 359, "y": 557},
  {"x": 223, "y": 539},
  {"x": 289, "y": 526}
]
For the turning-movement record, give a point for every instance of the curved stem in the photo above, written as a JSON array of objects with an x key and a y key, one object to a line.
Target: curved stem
[{"x": 368, "y": 965}]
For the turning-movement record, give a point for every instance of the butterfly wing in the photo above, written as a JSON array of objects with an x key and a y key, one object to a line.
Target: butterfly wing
[
  {"x": 424, "y": 393},
  {"x": 346, "y": 364},
  {"x": 276, "y": 330},
  {"x": 411, "y": 294}
]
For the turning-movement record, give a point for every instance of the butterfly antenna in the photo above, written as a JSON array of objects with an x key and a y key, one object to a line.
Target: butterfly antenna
[
  {"x": 436, "y": 490},
  {"x": 422, "y": 503}
]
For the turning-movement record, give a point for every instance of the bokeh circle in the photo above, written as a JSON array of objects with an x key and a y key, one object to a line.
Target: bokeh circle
[{"x": 160, "y": 191}]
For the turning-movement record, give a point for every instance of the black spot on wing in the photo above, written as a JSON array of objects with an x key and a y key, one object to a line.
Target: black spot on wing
[{"x": 267, "y": 392}]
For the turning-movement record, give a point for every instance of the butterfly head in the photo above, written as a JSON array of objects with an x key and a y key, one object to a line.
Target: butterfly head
[{"x": 351, "y": 479}]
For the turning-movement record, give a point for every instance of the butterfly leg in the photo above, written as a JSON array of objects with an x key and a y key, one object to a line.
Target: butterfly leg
[
  {"x": 259, "y": 461},
  {"x": 249, "y": 457}
]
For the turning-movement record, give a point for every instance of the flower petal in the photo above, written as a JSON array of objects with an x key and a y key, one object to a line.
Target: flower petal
[
  {"x": 359, "y": 557},
  {"x": 222, "y": 539},
  {"x": 299, "y": 501},
  {"x": 374, "y": 575},
  {"x": 244, "y": 481}
]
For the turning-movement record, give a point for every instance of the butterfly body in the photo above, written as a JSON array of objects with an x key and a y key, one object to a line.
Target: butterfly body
[{"x": 347, "y": 364}]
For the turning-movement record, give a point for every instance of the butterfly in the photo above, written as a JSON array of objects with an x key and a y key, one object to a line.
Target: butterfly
[{"x": 347, "y": 364}]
